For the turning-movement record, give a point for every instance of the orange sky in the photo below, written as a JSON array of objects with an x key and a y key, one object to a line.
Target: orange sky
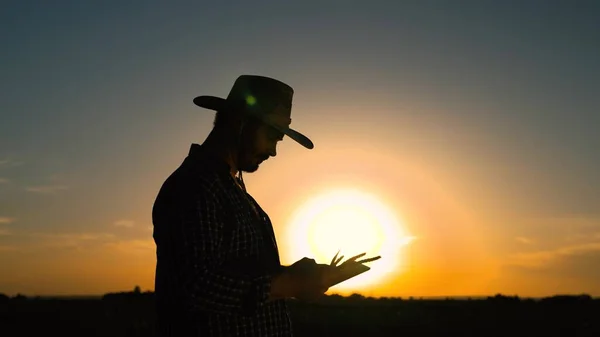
[
  {"x": 476, "y": 128},
  {"x": 451, "y": 253}
]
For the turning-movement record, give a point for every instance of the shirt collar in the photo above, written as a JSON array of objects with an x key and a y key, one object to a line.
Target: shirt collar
[{"x": 200, "y": 154}]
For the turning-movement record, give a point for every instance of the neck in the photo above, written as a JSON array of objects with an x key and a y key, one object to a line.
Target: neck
[{"x": 220, "y": 143}]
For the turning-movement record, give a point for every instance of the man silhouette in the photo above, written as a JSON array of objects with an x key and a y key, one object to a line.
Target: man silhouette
[{"x": 218, "y": 271}]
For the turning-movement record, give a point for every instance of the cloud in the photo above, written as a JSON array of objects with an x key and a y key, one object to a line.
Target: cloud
[
  {"x": 6, "y": 220},
  {"x": 124, "y": 223},
  {"x": 74, "y": 236},
  {"x": 9, "y": 163},
  {"x": 131, "y": 245},
  {"x": 545, "y": 257},
  {"x": 74, "y": 241},
  {"x": 524, "y": 240},
  {"x": 565, "y": 269},
  {"x": 46, "y": 189},
  {"x": 568, "y": 222},
  {"x": 581, "y": 264},
  {"x": 87, "y": 242}
]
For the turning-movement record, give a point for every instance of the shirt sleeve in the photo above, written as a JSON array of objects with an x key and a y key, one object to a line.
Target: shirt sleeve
[{"x": 208, "y": 285}]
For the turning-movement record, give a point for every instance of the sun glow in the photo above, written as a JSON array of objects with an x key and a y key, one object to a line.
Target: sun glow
[{"x": 353, "y": 222}]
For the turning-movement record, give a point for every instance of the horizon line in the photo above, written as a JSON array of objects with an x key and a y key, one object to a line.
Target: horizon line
[{"x": 407, "y": 297}]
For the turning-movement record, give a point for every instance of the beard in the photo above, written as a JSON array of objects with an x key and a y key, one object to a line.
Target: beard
[
  {"x": 250, "y": 163},
  {"x": 249, "y": 168},
  {"x": 250, "y": 159}
]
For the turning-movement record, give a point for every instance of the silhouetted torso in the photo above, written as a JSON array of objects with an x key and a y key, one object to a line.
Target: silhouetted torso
[{"x": 215, "y": 253}]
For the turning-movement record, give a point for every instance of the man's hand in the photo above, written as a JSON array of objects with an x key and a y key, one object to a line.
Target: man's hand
[
  {"x": 306, "y": 280},
  {"x": 310, "y": 280}
]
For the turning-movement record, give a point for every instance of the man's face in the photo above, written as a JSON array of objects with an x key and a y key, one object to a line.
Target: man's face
[{"x": 259, "y": 142}]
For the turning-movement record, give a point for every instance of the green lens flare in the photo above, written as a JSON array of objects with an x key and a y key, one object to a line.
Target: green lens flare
[{"x": 250, "y": 100}]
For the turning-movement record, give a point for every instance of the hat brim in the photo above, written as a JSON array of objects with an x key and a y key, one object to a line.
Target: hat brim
[
  {"x": 295, "y": 135},
  {"x": 218, "y": 103},
  {"x": 211, "y": 102}
]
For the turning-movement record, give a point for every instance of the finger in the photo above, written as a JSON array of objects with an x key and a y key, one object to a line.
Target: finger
[
  {"x": 333, "y": 260},
  {"x": 357, "y": 256},
  {"x": 371, "y": 259},
  {"x": 354, "y": 258},
  {"x": 338, "y": 261}
]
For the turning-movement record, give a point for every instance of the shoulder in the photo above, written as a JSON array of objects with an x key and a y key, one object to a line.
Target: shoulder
[{"x": 194, "y": 180}]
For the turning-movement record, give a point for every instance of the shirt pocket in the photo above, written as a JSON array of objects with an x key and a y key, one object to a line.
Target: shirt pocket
[{"x": 243, "y": 236}]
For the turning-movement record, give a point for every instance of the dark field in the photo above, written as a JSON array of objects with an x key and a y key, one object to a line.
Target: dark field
[{"x": 131, "y": 314}]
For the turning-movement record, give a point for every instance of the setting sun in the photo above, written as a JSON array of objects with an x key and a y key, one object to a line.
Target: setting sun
[{"x": 353, "y": 222}]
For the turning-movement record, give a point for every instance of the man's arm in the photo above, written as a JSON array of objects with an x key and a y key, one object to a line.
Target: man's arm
[
  {"x": 281, "y": 285},
  {"x": 208, "y": 285}
]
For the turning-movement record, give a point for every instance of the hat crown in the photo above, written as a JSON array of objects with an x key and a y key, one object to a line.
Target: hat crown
[{"x": 262, "y": 95}]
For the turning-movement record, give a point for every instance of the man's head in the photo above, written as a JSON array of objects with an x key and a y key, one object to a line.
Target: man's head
[
  {"x": 258, "y": 112},
  {"x": 253, "y": 140}
]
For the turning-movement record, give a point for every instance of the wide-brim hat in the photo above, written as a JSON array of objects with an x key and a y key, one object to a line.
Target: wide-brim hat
[{"x": 265, "y": 98}]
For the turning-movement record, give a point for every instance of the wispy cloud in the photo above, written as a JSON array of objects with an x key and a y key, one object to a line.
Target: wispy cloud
[
  {"x": 74, "y": 236},
  {"x": 71, "y": 240},
  {"x": 131, "y": 245},
  {"x": 7, "y": 248},
  {"x": 124, "y": 223},
  {"x": 46, "y": 189},
  {"x": 524, "y": 240},
  {"x": 6, "y": 220},
  {"x": 88, "y": 242},
  {"x": 544, "y": 257},
  {"x": 566, "y": 269},
  {"x": 572, "y": 222},
  {"x": 76, "y": 243},
  {"x": 9, "y": 163}
]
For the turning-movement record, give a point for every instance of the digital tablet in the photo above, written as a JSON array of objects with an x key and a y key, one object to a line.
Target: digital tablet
[{"x": 349, "y": 271}]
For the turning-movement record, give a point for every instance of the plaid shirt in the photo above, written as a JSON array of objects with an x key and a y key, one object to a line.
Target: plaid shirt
[{"x": 216, "y": 252}]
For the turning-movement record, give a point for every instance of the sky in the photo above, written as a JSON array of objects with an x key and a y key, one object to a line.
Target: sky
[{"x": 474, "y": 122}]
